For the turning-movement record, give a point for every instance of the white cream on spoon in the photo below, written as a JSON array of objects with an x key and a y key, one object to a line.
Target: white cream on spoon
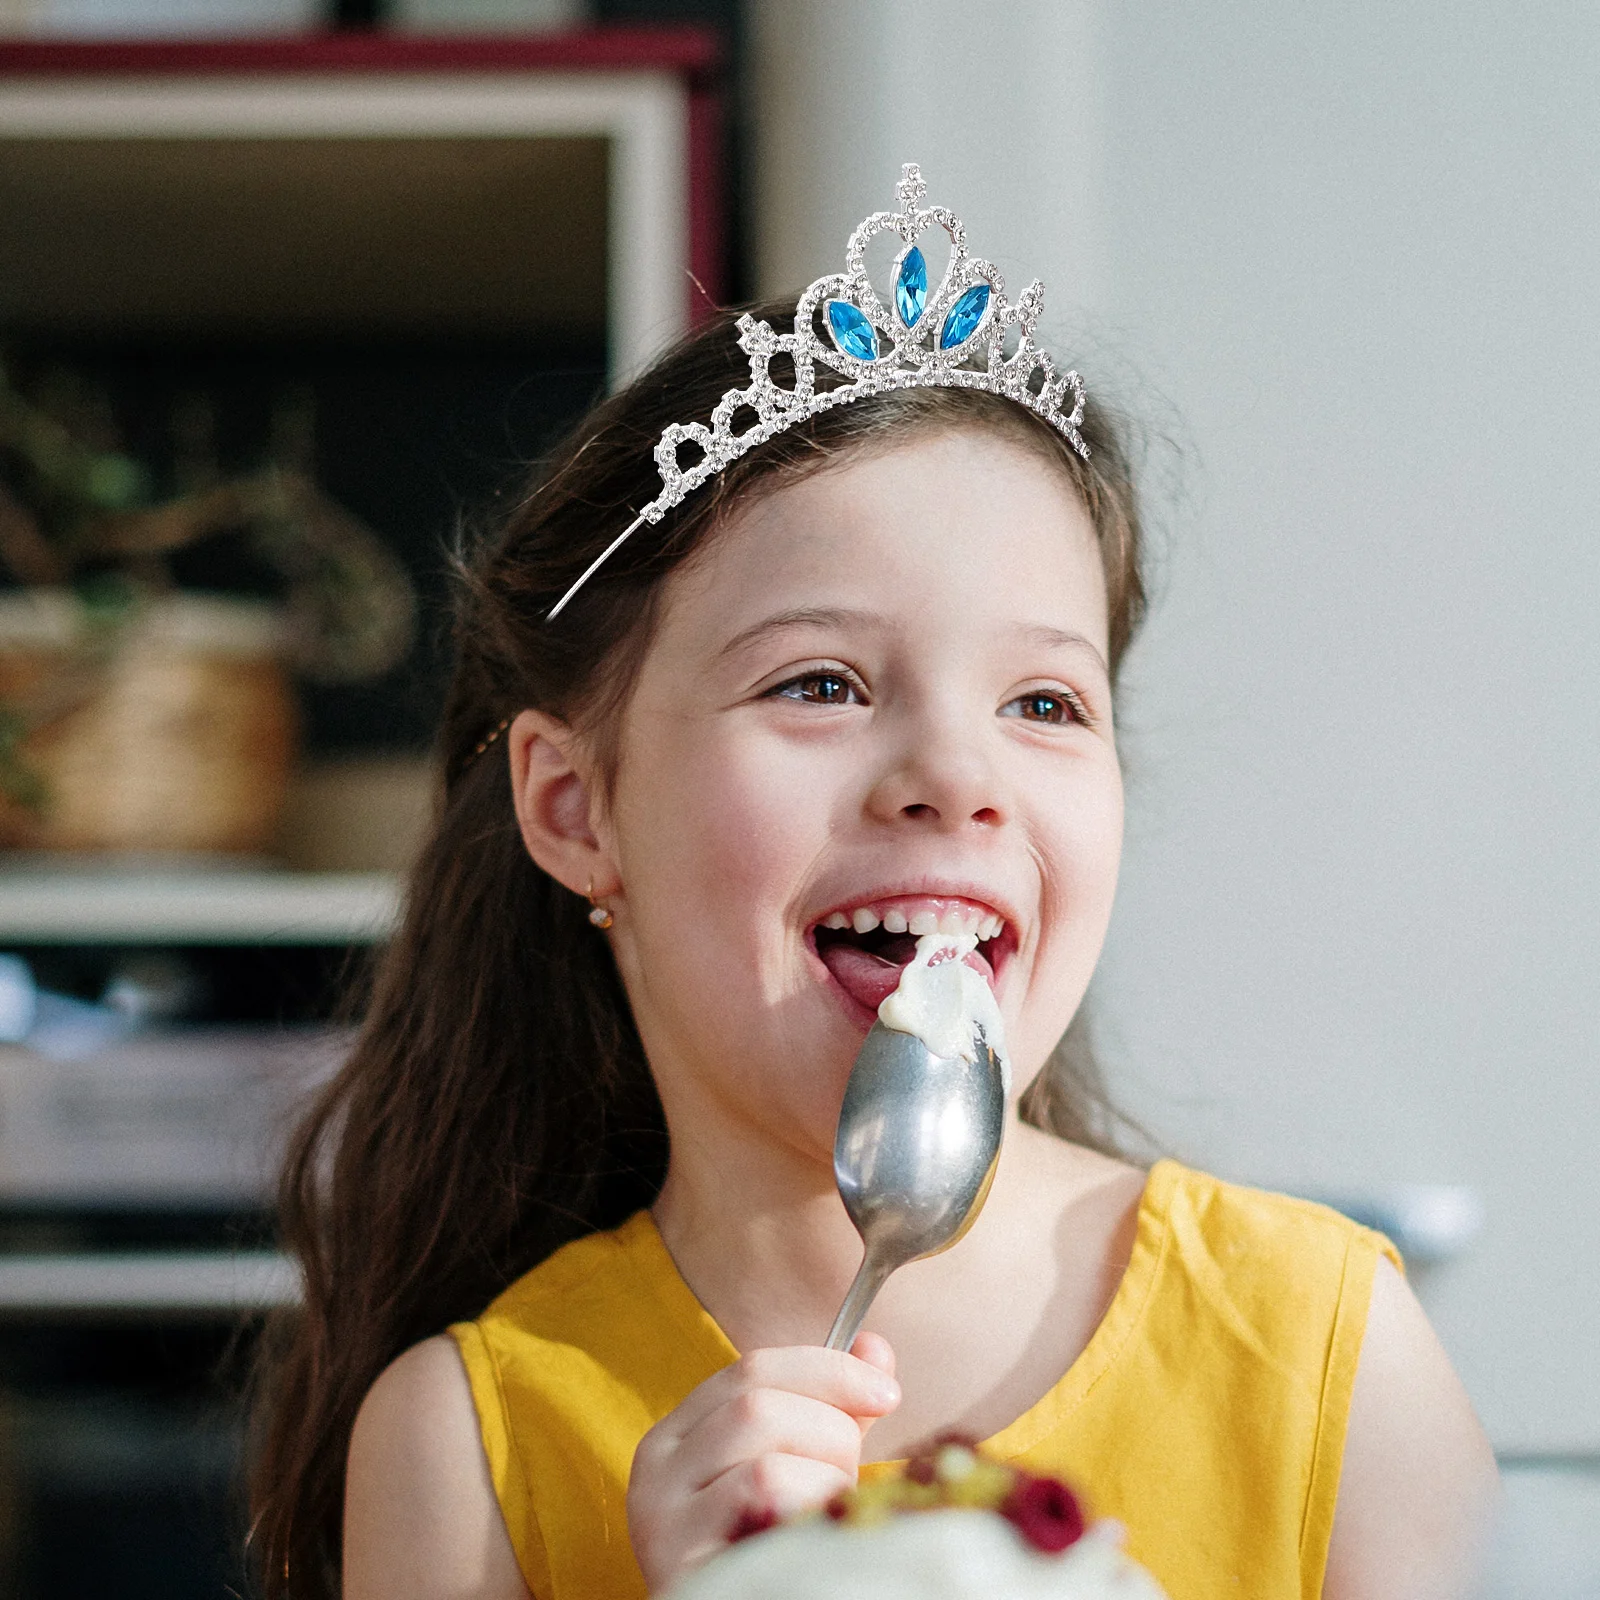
[
  {"x": 942, "y": 1001},
  {"x": 922, "y": 1121}
]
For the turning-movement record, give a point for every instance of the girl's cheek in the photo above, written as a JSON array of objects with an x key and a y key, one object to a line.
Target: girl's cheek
[
  {"x": 1081, "y": 865},
  {"x": 766, "y": 812},
  {"x": 718, "y": 843}
]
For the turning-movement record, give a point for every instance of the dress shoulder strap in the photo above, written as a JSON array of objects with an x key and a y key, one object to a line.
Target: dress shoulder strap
[
  {"x": 1207, "y": 1413},
  {"x": 1257, "y": 1316},
  {"x": 570, "y": 1368}
]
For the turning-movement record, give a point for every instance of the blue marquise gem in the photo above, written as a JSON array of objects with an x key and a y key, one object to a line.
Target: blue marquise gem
[
  {"x": 965, "y": 315},
  {"x": 911, "y": 287},
  {"x": 851, "y": 331}
]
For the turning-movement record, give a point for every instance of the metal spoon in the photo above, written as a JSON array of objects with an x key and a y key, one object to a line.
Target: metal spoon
[{"x": 916, "y": 1151}]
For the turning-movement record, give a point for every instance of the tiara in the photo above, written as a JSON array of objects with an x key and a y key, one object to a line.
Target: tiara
[{"x": 955, "y": 337}]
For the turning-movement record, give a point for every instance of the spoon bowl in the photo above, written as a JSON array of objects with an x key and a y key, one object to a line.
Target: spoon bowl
[{"x": 918, "y": 1142}]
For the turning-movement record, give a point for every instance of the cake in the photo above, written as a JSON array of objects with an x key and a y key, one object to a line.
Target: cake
[{"x": 949, "y": 1526}]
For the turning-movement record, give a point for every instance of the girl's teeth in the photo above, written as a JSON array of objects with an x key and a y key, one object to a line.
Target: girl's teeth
[{"x": 953, "y": 920}]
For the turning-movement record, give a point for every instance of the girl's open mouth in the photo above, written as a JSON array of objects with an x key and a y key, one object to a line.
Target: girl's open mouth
[{"x": 865, "y": 946}]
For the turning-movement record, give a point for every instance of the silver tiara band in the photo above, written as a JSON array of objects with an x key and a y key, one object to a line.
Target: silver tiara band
[{"x": 953, "y": 338}]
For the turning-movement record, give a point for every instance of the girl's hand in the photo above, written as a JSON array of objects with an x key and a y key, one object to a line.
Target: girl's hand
[{"x": 776, "y": 1433}]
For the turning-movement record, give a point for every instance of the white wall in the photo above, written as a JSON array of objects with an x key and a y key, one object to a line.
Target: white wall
[
  {"x": 848, "y": 90},
  {"x": 1358, "y": 943},
  {"x": 1353, "y": 251}
]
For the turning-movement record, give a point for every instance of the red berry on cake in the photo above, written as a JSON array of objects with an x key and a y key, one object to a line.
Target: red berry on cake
[{"x": 949, "y": 1525}]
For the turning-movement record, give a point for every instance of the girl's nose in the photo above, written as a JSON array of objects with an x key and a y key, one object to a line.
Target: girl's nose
[{"x": 940, "y": 780}]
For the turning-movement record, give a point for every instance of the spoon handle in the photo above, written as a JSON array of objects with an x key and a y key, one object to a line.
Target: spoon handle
[{"x": 870, "y": 1278}]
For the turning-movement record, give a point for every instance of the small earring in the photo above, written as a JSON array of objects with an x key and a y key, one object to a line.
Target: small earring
[{"x": 598, "y": 914}]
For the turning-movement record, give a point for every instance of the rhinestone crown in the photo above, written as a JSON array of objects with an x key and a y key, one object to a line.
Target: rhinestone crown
[{"x": 955, "y": 337}]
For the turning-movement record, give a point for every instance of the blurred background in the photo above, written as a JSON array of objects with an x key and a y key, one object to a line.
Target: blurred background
[{"x": 291, "y": 290}]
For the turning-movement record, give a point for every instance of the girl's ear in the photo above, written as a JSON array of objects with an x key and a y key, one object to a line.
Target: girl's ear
[{"x": 551, "y": 790}]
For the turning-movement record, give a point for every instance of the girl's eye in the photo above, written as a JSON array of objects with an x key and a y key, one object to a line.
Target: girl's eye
[
  {"x": 819, "y": 689},
  {"x": 1046, "y": 706}
]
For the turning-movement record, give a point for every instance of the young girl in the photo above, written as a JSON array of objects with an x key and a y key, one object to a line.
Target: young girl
[{"x": 568, "y": 1219}]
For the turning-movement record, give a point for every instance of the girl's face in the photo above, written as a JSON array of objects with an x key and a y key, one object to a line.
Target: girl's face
[{"x": 879, "y": 697}]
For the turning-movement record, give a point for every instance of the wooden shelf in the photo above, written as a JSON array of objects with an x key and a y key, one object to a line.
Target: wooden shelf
[
  {"x": 283, "y": 236},
  {"x": 552, "y": 186},
  {"x": 197, "y": 907}
]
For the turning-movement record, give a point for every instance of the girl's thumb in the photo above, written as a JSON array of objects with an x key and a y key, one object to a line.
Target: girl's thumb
[{"x": 875, "y": 1350}]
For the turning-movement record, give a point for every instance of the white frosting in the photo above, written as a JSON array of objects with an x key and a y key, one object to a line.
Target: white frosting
[
  {"x": 942, "y": 1001},
  {"x": 927, "y": 1555}
]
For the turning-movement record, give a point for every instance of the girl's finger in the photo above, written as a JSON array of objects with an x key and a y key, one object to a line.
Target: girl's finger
[
  {"x": 759, "y": 1422},
  {"x": 833, "y": 1376},
  {"x": 693, "y": 1531},
  {"x": 875, "y": 1350},
  {"x": 774, "y": 1485}
]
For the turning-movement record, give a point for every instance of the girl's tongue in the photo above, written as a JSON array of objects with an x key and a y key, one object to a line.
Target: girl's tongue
[{"x": 869, "y": 975}]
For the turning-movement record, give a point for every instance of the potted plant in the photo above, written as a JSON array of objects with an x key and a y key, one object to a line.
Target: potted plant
[{"x": 139, "y": 716}]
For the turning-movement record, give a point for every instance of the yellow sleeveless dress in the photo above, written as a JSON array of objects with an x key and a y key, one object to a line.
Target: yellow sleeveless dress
[{"x": 1207, "y": 1412}]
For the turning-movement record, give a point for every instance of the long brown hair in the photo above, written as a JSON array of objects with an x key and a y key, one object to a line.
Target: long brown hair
[{"x": 497, "y": 1102}]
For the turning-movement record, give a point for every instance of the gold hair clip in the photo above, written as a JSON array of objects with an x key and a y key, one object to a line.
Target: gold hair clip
[{"x": 487, "y": 740}]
